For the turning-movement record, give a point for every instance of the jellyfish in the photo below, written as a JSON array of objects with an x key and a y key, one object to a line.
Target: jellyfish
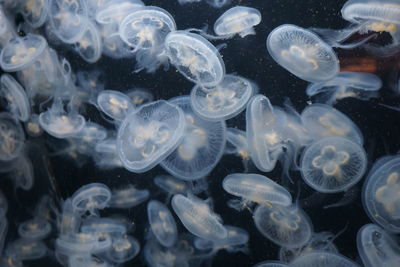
[
  {"x": 90, "y": 45},
  {"x": 123, "y": 248},
  {"x": 115, "y": 104},
  {"x": 128, "y": 197},
  {"x": 377, "y": 247},
  {"x": 103, "y": 226},
  {"x": 91, "y": 134},
  {"x": 91, "y": 83},
  {"x": 36, "y": 229},
  {"x": 105, "y": 155},
  {"x": 223, "y": 101},
  {"x": 68, "y": 221},
  {"x": 139, "y": 96},
  {"x": 34, "y": 12},
  {"x": 7, "y": 30},
  {"x": 26, "y": 249},
  {"x": 271, "y": 264},
  {"x": 333, "y": 164},
  {"x": 82, "y": 243},
  {"x": 195, "y": 57},
  {"x": 22, "y": 174},
  {"x": 321, "y": 259},
  {"x": 359, "y": 85},
  {"x": 237, "y": 144},
  {"x": 82, "y": 260},
  {"x": 201, "y": 147},
  {"x": 302, "y": 53},
  {"x": 171, "y": 185},
  {"x": 286, "y": 226},
  {"x": 12, "y": 137},
  {"x": 32, "y": 126},
  {"x": 91, "y": 197},
  {"x": 149, "y": 134},
  {"x": 218, "y": 3}
]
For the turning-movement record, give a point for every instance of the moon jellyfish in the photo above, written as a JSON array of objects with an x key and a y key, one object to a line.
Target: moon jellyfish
[
  {"x": 302, "y": 53},
  {"x": 36, "y": 229},
  {"x": 115, "y": 104},
  {"x": 286, "y": 226},
  {"x": 6, "y": 28},
  {"x": 139, "y": 97},
  {"x": 376, "y": 247},
  {"x": 27, "y": 249},
  {"x": 171, "y": 185},
  {"x": 149, "y": 134},
  {"x": 218, "y": 3},
  {"x": 195, "y": 57},
  {"x": 82, "y": 260},
  {"x": 322, "y": 120},
  {"x": 116, "y": 10},
  {"x": 346, "y": 84},
  {"x": 103, "y": 226},
  {"x": 91, "y": 197},
  {"x": 162, "y": 223},
  {"x": 381, "y": 197},
  {"x": 198, "y": 218},
  {"x": 322, "y": 259},
  {"x": 82, "y": 243},
  {"x": 90, "y": 45},
  {"x": 237, "y": 144},
  {"x": 223, "y": 101},
  {"x": 333, "y": 164},
  {"x": 32, "y": 126},
  {"x": 22, "y": 174},
  {"x": 127, "y": 197},
  {"x": 270, "y": 264},
  {"x": 201, "y": 147},
  {"x": 106, "y": 156},
  {"x": 34, "y": 12},
  {"x": 12, "y": 137},
  {"x": 16, "y": 99},
  {"x": 123, "y": 248}
]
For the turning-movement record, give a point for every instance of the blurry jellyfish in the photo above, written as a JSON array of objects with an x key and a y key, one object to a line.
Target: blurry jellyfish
[
  {"x": 32, "y": 126},
  {"x": 198, "y": 218},
  {"x": 115, "y": 104},
  {"x": 237, "y": 144},
  {"x": 22, "y": 174},
  {"x": 322, "y": 259},
  {"x": 171, "y": 185},
  {"x": 218, "y": 3},
  {"x": 182, "y": 2},
  {"x": 84, "y": 260},
  {"x": 89, "y": 46},
  {"x": 271, "y": 264},
  {"x": 26, "y": 249},
  {"x": 286, "y": 226},
  {"x": 6, "y": 28},
  {"x": 34, "y": 12},
  {"x": 128, "y": 197},
  {"x": 201, "y": 147},
  {"x": 90, "y": 135},
  {"x": 149, "y": 134},
  {"x": 123, "y": 248},
  {"x": 36, "y": 229},
  {"x": 68, "y": 221},
  {"x": 91, "y": 84},
  {"x": 346, "y": 84},
  {"x": 302, "y": 53},
  {"x": 139, "y": 96},
  {"x": 195, "y": 57},
  {"x": 162, "y": 223},
  {"x": 223, "y": 101},
  {"x": 103, "y": 226},
  {"x": 91, "y": 197},
  {"x": 11, "y": 137},
  {"x": 82, "y": 243},
  {"x": 106, "y": 156},
  {"x": 333, "y": 164}
]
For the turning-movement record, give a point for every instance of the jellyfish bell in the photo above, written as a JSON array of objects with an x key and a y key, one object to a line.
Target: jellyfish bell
[
  {"x": 34, "y": 12},
  {"x": 12, "y": 137},
  {"x": 91, "y": 197},
  {"x": 139, "y": 97},
  {"x": 321, "y": 258},
  {"x": 90, "y": 45},
  {"x": 127, "y": 197},
  {"x": 123, "y": 248},
  {"x": 115, "y": 104}
]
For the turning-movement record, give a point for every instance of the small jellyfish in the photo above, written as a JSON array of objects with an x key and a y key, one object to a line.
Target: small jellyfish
[
  {"x": 12, "y": 137},
  {"x": 323, "y": 120},
  {"x": 302, "y": 53},
  {"x": 195, "y": 57},
  {"x": 198, "y": 218},
  {"x": 106, "y": 156},
  {"x": 123, "y": 248},
  {"x": 128, "y": 197},
  {"x": 201, "y": 147},
  {"x": 103, "y": 226},
  {"x": 376, "y": 247},
  {"x": 91, "y": 83},
  {"x": 23, "y": 174},
  {"x": 223, "y": 101},
  {"x": 333, "y": 164},
  {"x": 91, "y": 197},
  {"x": 359, "y": 85},
  {"x": 82, "y": 260},
  {"x": 171, "y": 185},
  {"x": 90, "y": 135},
  {"x": 286, "y": 226},
  {"x": 271, "y": 264},
  {"x": 36, "y": 229},
  {"x": 322, "y": 259},
  {"x": 26, "y": 249},
  {"x": 115, "y": 11},
  {"x": 149, "y": 134},
  {"x": 34, "y": 12},
  {"x": 162, "y": 223},
  {"x": 139, "y": 97},
  {"x": 68, "y": 222},
  {"x": 32, "y": 126},
  {"x": 237, "y": 144},
  {"x": 115, "y": 104},
  {"x": 82, "y": 243},
  {"x": 90, "y": 45}
]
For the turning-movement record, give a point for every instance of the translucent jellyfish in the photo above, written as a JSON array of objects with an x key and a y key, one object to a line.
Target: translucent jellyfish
[
  {"x": 322, "y": 120},
  {"x": 127, "y": 197},
  {"x": 123, "y": 248},
  {"x": 198, "y": 218},
  {"x": 270, "y": 264},
  {"x": 223, "y": 101},
  {"x": 286, "y": 226},
  {"x": 322, "y": 259},
  {"x": 91, "y": 134},
  {"x": 32, "y": 126},
  {"x": 91, "y": 197},
  {"x": 12, "y": 137},
  {"x": 115, "y": 104},
  {"x": 7, "y": 30},
  {"x": 26, "y": 249},
  {"x": 91, "y": 83},
  {"x": 82, "y": 260},
  {"x": 333, "y": 164},
  {"x": 58, "y": 123},
  {"x": 237, "y": 144},
  {"x": 149, "y": 134},
  {"x": 256, "y": 188},
  {"x": 14, "y": 95},
  {"x": 139, "y": 97},
  {"x": 201, "y": 147},
  {"x": 90, "y": 45},
  {"x": 171, "y": 185},
  {"x": 195, "y": 57},
  {"x": 376, "y": 247},
  {"x": 237, "y": 20},
  {"x": 34, "y": 12},
  {"x": 82, "y": 243},
  {"x": 116, "y": 10},
  {"x": 103, "y": 226},
  {"x": 162, "y": 223},
  {"x": 106, "y": 156},
  {"x": 22, "y": 174},
  {"x": 381, "y": 197},
  {"x": 302, "y": 53},
  {"x": 346, "y": 84},
  {"x": 182, "y": 2},
  {"x": 36, "y": 229},
  {"x": 68, "y": 222}
]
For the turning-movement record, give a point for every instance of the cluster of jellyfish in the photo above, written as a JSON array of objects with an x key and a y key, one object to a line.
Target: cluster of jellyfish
[{"x": 187, "y": 135}]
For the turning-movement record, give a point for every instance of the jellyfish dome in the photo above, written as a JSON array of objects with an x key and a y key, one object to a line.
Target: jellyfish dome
[
  {"x": 359, "y": 11},
  {"x": 115, "y": 104},
  {"x": 12, "y": 137},
  {"x": 322, "y": 259},
  {"x": 91, "y": 197},
  {"x": 302, "y": 53},
  {"x": 34, "y": 12}
]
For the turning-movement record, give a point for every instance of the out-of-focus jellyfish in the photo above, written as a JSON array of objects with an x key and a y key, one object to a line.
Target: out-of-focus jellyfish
[
  {"x": 149, "y": 134},
  {"x": 218, "y": 3},
  {"x": 321, "y": 258},
  {"x": 91, "y": 134},
  {"x": 286, "y": 226},
  {"x": 90, "y": 45},
  {"x": 201, "y": 147},
  {"x": 182, "y": 2},
  {"x": 12, "y": 137},
  {"x": 22, "y": 174},
  {"x": 270, "y": 264},
  {"x": 198, "y": 218},
  {"x": 302, "y": 53},
  {"x": 34, "y": 12},
  {"x": 139, "y": 97},
  {"x": 381, "y": 196},
  {"x": 322, "y": 120},
  {"x": 237, "y": 144},
  {"x": 376, "y": 247},
  {"x": 346, "y": 84},
  {"x": 7, "y": 30},
  {"x": 82, "y": 243},
  {"x": 36, "y": 228},
  {"x": 26, "y": 249},
  {"x": 223, "y": 101},
  {"x": 256, "y": 188},
  {"x": 106, "y": 156},
  {"x": 162, "y": 223},
  {"x": 32, "y": 126},
  {"x": 123, "y": 248},
  {"x": 115, "y": 104},
  {"x": 171, "y": 185},
  {"x": 68, "y": 222},
  {"x": 103, "y": 226},
  {"x": 127, "y": 197},
  {"x": 91, "y": 197},
  {"x": 84, "y": 260},
  {"x": 333, "y": 164},
  {"x": 195, "y": 57},
  {"x": 91, "y": 83}
]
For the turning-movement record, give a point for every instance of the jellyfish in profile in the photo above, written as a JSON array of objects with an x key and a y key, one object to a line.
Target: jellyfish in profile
[
  {"x": 91, "y": 197},
  {"x": 321, "y": 258},
  {"x": 115, "y": 104},
  {"x": 201, "y": 147},
  {"x": 237, "y": 144},
  {"x": 123, "y": 248},
  {"x": 333, "y": 164},
  {"x": 127, "y": 197},
  {"x": 149, "y": 134},
  {"x": 17, "y": 102},
  {"x": 286, "y": 226},
  {"x": 139, "y": 97},
  {"x": 7, "y": 30},
  {"x": 82, "y": 243},
  {"x": 90, "y": 45},
  {"x": 359, "y": 85},
  {"x": 34, "y": 12},
  {"x": 302, "y": 53},
  {"x": 195, "y": 57},
  {"x": 36, "y": 229},
  {"x": 223, "y": 101},
  {"x": 171, "y": 185},
  {"x": 12, "y": 137},
  {"x": 26, "y": 249},
  {"x": 271, "y": 264},
  {"x": 22, "y": 174},
  {"x": 32, "y": 126},
  {"x": 101, "y": 226}
]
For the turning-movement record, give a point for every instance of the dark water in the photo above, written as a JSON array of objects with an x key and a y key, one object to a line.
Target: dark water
[{"x": 61, "y": 177}]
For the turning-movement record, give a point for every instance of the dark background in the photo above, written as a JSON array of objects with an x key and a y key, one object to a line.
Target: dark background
[{"x": 60, "y": 176}]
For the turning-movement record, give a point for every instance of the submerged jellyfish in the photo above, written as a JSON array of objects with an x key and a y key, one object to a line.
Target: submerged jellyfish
[
  {"x": 123, "y": 248},
  {"x": 270, "y": 264},
  {"x": 201, "y": 147},
  {"x": 82, "y": 243},
  {"x": 36, "y": 229},
  {"x": 149, "y": 134},
  {"x": 195, "y": 57},
  {"x": 139, "y": 97},
  {"x": 26, "y": 249},
  {"x": 302, "y": 53},
  {"x": 115, "y": 104},
  {"x": 237, "y": 144},
  {"x": 34, "y": 12},
  {"x": 14, "y": 95},
  {"x": 171, "y": 185},
  {"x": 11, "y": 137},
  {"x": 103, "y": 226},
  {"x": 333, "y": 164},
  {"x": 127, "y": 197},
  {"x": 91, "y": 197},
  {"x": 90, "y": 45},
  {"x": 322, "y": 259}
]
